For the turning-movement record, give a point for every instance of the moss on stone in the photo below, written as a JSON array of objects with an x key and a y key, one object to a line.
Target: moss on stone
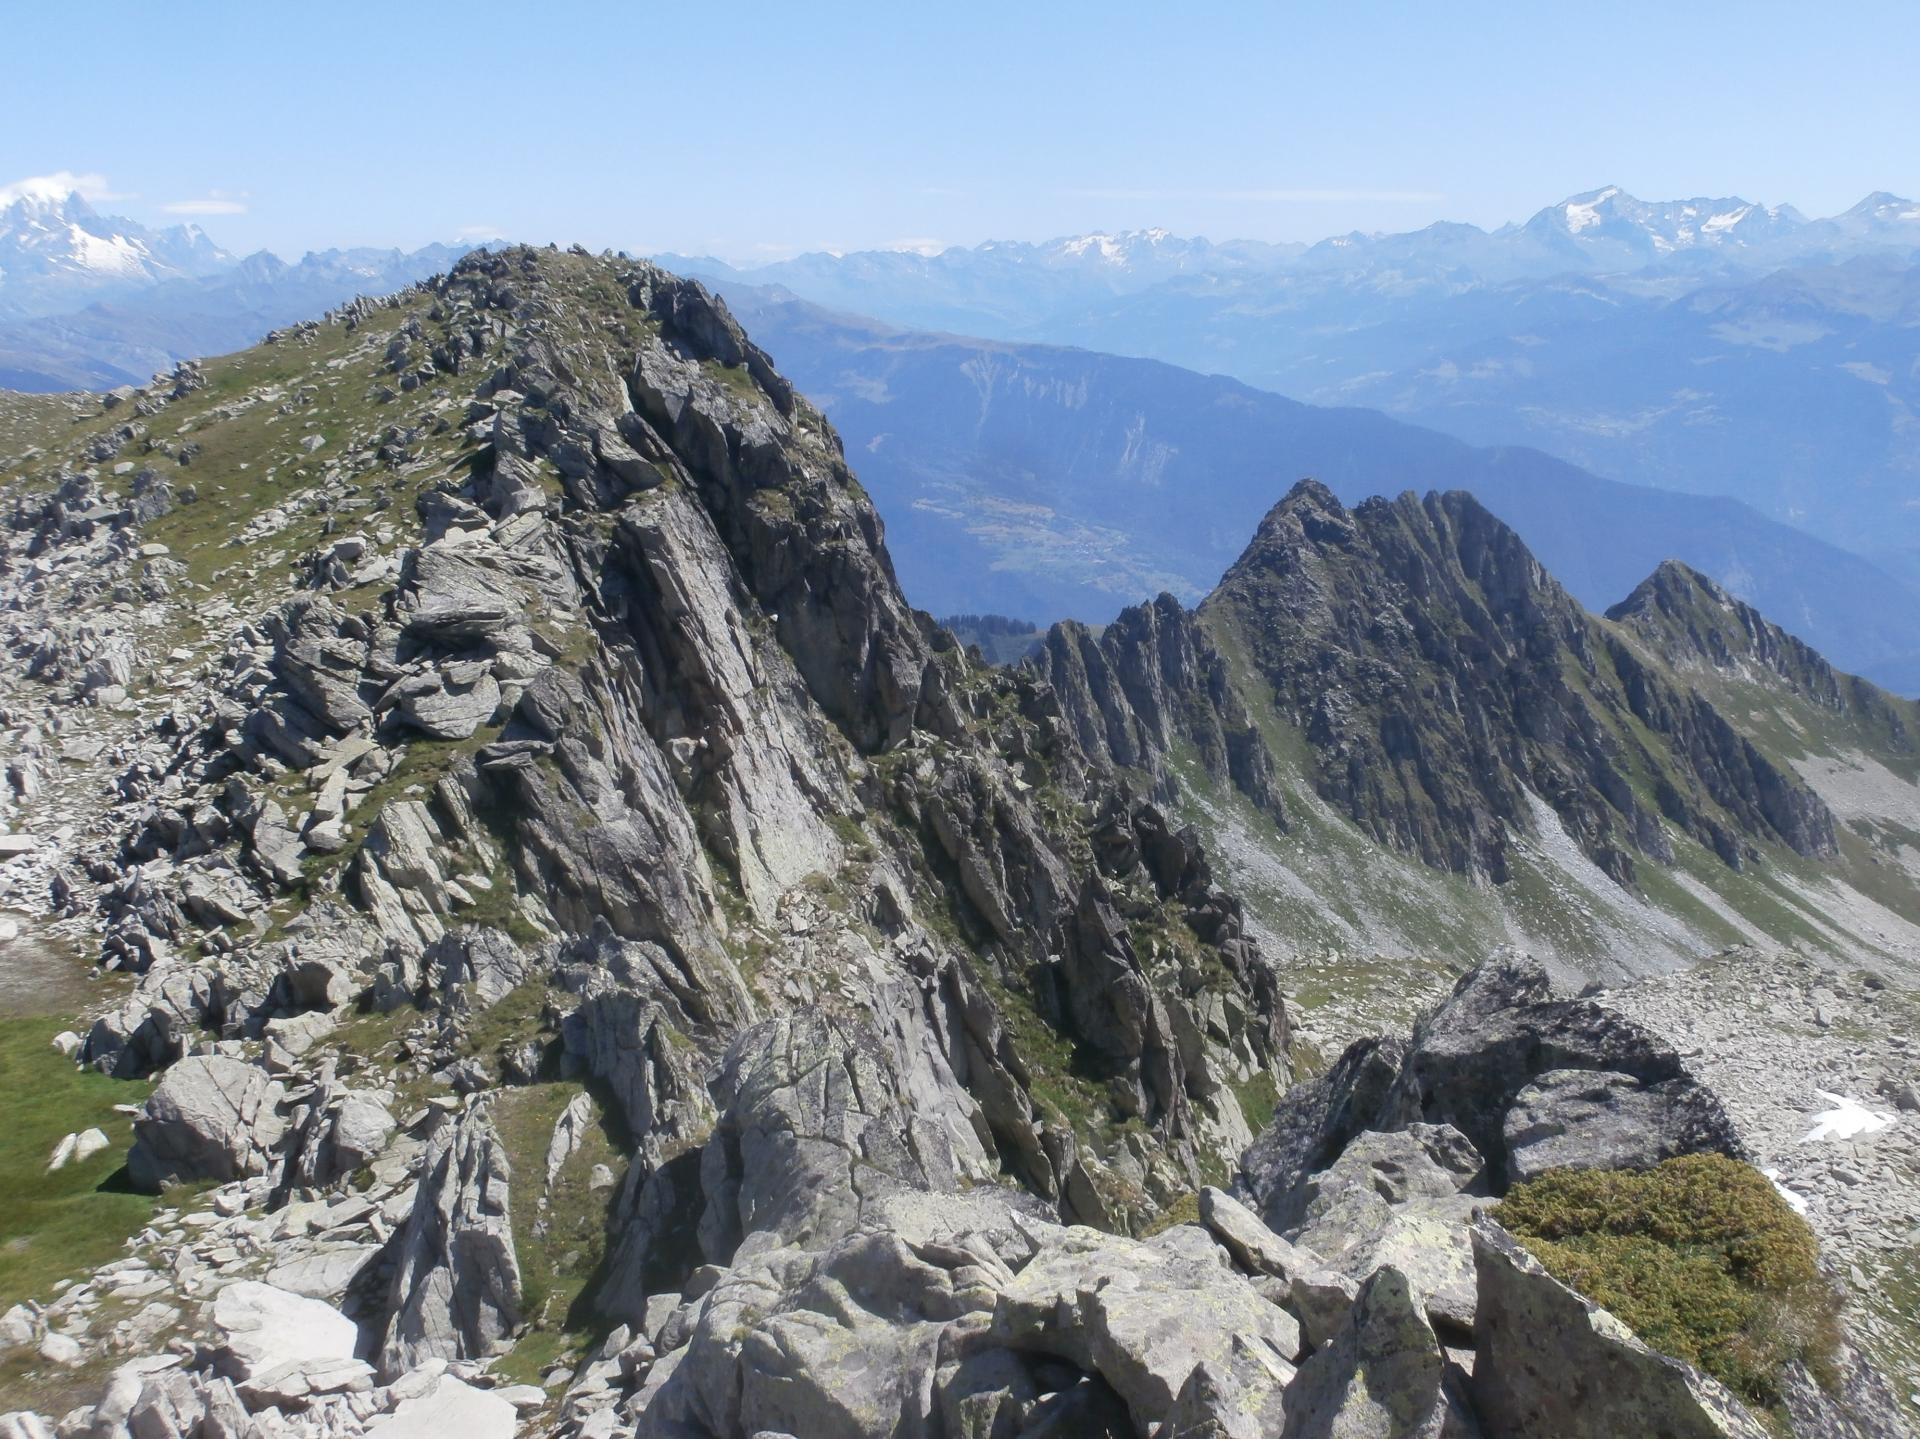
[{"x": 1699, "y": 1255}]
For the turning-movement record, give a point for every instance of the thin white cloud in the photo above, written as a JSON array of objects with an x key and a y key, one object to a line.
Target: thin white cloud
[
  {"x": 1269, "y": 197},
  {"x": 477, "y": 232},
  {"x": 89, "y": 185},
  {"x": 214, "y": 202}
]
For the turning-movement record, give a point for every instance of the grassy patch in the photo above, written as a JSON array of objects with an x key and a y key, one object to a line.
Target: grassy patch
[
  {"x": 1259, "y": 1096},
  {"x": 559, "y": 1234},
  {"x": 1184, "y": 1210},
  {"x": 516, "y": 1017},
  {"x": 54, "y": 1226},
  {"x": 1699, "y": 1255}
]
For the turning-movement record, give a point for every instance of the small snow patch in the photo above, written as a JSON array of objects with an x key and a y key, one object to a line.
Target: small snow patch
[
  {"x": 1848, "y": 1118},
  {"x": 1796, "y": 1202}
]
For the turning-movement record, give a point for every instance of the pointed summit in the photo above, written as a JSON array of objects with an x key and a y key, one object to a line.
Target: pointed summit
[{"x": 1405, "y": 637}]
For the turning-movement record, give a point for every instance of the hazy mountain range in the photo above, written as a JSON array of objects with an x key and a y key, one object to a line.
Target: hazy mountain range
[
  {"x": 1041, "y": 481},
  {"x": 1712, "y": 346},
  {"x": 91, "y": 302},
  {"x": 55, "y": 249},
  {"x": 1763, "y": 363}
]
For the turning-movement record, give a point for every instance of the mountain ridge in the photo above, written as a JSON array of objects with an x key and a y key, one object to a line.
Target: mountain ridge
[
  {"x": 1778, "y": 372},
  {"x": 1055, "y": 472},
  {"x": 588, "y": 928}
]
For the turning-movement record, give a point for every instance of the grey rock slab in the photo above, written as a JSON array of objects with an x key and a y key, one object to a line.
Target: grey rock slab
[
  {"x": 1599, "y": 1119},
  {"x": 450, "y": 1408},
  {"x": 1254, "y": 1247},
  {"x": 1144, "y": 1319},
  {"x": 212, "y": 1117},
  {"x": 456, "y": 1287},
  {"x": 324, "y": 1273},
  {"x": 1381, "y": 1375},
  {"x": 1549, "y": 1361},
  {"x": 262, "y": 1329}
]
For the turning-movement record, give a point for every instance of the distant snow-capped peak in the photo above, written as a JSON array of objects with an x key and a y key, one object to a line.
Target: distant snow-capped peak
[
  {"x": 50, "y": 192},
  {"x": 1610, "y": 214},
  {"x": 54, "y": 244},
  {"x": 1882, "y": 208}
]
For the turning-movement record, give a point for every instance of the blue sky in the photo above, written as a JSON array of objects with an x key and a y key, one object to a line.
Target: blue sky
[{"x": 752, "y": 130}]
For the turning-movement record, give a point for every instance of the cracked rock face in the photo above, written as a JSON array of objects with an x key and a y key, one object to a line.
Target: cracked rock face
[
  {"x": 1501, "y": 1055},
  {"x": 456, "y": 1286},
  {"x": 211, "y": 1117}
]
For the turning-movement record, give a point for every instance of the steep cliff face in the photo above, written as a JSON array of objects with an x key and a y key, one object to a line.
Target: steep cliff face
[
  {"x": 1442, "y": 677},
  {"x": 1148, "y": 684},
  {"x": 1400, "y": 737}
]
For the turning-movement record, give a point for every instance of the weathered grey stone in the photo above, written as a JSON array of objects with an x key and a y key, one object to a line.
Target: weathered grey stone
[
  {"x": 474, "y": 967},
  {"x": 1501, "y": 1029},
  {"x": 1402, "y": 1199},
  {"x": 211, "y": 1117},
  {"x": 263, "y": 1331},
  {"x": 1549, "y": 1361},
  {"x": 456, "y": 1286},
  {"x": 1598, "y": 1119},
  {"x": 1143, "y": 1320},
  {"x": 1380, "y": 1376},
  {"x": 450, "y": 1407},
  {"x": 442, "y": 708}
]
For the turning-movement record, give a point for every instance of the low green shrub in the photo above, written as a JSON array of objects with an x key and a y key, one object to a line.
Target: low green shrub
[{"x": 1699, "y": 1255}]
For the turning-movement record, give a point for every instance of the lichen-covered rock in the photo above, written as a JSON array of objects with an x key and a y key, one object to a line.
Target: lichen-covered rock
[
  {"x": 1466, "y": 1065},
  {"x": 1598, "y": 1119},
  {"x": 1503, "y": 1027},
  {"x": 1549, "y": 1361},
  {"x": 1401, "y": 1200},
  {"x": 1380, "y": 1376},
  {"x": 1144, "y": 1319}
]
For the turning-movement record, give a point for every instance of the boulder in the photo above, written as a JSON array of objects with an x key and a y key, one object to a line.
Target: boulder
[
  {"x": 1502, "y": 1028},
  {"x": 326, "y": 1273},
  {"x": 1381, "y": 1375},
  {"x": 1254, "y": 1247},
  {"x": 212, "y": 1117},
  {"x": 265, "y": 1334},
  {"x": 1548, "y": 1360},
  {"x": 1313, "y": 1123},
  {"x": 1402, "y": 1199},
  {"x": 844, "y": 1342},
  {"x": 123, "y": 1390},
  {"x": 1143, "y": 1320},
  {"x": 277, "y": 847},
  {"x": 442, "y": 707},
  {"x": 813, "y": 1128},
  {"x": 78, "y": 1148},
  {"x": 339, "y": 1133},
  {"x": 475, "y": 967},
  {"x": 1600, "y": 1119},
  {"x": 450, "y": 1407},
  {"x": 1466, "y": 1065}
]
